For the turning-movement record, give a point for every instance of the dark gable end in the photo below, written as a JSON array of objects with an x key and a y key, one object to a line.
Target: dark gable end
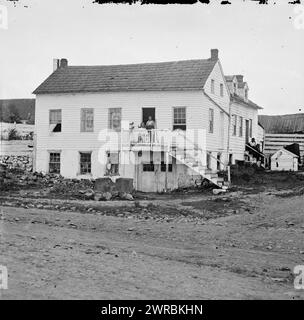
[{"x": 164, "y": 76}]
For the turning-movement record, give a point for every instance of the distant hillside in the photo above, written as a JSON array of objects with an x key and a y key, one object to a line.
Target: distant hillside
[
  {"x": 288, "y": 123},
  {"x": 17, "y": 109}
]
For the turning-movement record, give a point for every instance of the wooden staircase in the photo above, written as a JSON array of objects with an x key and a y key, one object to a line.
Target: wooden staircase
[{"x": 192, "y": 159}]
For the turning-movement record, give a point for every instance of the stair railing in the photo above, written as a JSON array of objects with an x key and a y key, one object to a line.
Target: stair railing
[{"x": 197, "y": 147}]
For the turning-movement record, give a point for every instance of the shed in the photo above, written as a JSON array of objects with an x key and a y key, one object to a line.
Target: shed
[{"x": 284, "y": 160}]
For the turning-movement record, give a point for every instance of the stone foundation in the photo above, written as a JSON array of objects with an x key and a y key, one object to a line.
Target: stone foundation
[{"x": 18, "y": 162}]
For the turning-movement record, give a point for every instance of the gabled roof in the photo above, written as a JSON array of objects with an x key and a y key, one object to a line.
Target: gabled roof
[
  {"x": 176, "y": 75},
  {"x": 283, "y": 150},
  {"x": 247, "y": 102},
  {"x": 288, "y": 123}
]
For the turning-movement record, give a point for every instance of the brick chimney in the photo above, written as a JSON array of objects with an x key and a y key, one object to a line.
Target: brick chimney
[
  {"x": 240, "y": 78},
  {"x": 63, "y": 63},
  {"x": 214, "y": 54}
]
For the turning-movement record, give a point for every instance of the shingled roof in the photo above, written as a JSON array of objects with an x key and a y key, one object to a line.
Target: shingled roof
[
  {"x": 288, "y": 123},
  {"x": 163, "y": 76}
]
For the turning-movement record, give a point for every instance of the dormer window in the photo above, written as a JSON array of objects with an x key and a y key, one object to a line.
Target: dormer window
[{"x": 212, "y": 86}]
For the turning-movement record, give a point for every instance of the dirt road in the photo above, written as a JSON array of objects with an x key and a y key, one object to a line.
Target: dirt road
[{"x": 247, "y": 254}]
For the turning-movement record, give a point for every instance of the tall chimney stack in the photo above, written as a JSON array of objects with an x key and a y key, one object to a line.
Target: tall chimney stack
[
  {"x": 240, "y": 78},
  {"x": 63, "y": 63},
  {"x": 56, "y": 63},
  {"x": 214, "y": 54}
]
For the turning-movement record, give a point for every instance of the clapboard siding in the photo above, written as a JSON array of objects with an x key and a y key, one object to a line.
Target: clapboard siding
[
  {"x": 70, "y": 141},
  {"x": 237, "y": 143},
  {"x": 219, "y": 79}
]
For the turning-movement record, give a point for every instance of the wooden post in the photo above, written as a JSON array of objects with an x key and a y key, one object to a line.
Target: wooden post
[
  {"x": 229, "y": 176},
  {"x": 166, "y": 177}
]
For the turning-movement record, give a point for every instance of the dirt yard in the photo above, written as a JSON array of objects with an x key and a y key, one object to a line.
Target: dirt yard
[{"x": 240, "y": 245}]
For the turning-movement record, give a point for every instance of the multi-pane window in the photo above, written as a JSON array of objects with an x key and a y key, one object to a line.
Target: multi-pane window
[
  {"x": 55, "y": 120},
  {"x": 241, "y": 127},
  {"x": 212, "y": 86},
  {"x": 115, "y": 119},
  {"x": 179, "y": 118},
  {"x": 222, "y": 89},
  {"x": 54, "y": 163},
  {"x": 234, "y": 124},
  {"x": 85, "y": 162},
  {"x": 87, "y": 120},
  {"x": 211, "y": 120}
]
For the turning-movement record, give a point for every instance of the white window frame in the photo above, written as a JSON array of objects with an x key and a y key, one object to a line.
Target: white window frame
[
  {"x": 180, "y": 118},
  {"x": 234, "y": 124},
  {"x": 110, "y": 118},
  {"x": 212, "y": 86},
  {"x": 85, "y": 114},
  {"x": 211, "y": 120},
  {"x": 222, "y": 90}
]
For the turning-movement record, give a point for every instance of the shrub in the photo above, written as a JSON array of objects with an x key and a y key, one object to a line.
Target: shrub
[{"x": 13, "y": 134}]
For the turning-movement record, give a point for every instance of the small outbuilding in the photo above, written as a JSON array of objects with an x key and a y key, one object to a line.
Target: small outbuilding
[{"x": 284, "y": 160}]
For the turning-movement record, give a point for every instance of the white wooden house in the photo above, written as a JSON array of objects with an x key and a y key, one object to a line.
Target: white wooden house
[
  {"x": 244, "y": 118},
  {"x": 284, "y": 160},
  {"x": 85, "y": 117}
]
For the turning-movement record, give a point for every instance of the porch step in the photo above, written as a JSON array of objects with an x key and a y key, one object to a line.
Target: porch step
[{"x": 192, "y": 159}]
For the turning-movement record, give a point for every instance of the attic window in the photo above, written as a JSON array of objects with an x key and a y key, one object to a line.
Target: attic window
[
  {"x": 212, "y": 86},
  {"x": 55, "y": 120},
  {"x": 222, "y": 89}
]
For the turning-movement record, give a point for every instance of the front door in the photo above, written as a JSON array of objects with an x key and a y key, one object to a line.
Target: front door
[
  {"x": 146, "y": 113},
  {"x": 247, "y": 131}
]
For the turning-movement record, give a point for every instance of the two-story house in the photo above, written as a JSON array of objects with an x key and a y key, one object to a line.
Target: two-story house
[
  {"x": 243, "y": 118},
  {"x": 88, "y": 119}
]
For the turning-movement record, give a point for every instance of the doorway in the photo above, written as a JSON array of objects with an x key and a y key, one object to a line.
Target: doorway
[{"x": 146, "y": 113}]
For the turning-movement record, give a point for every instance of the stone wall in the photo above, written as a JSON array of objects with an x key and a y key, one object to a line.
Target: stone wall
[{"x": 17, "y": 162}]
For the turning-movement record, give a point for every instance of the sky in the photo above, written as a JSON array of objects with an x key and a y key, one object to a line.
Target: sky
[{"x": 262, "y": 42}]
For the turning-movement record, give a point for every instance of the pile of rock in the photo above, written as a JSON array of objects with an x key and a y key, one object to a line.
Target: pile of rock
[
  {"x": 17, "y": 162},
  {"x": 103, "y": 189}
]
